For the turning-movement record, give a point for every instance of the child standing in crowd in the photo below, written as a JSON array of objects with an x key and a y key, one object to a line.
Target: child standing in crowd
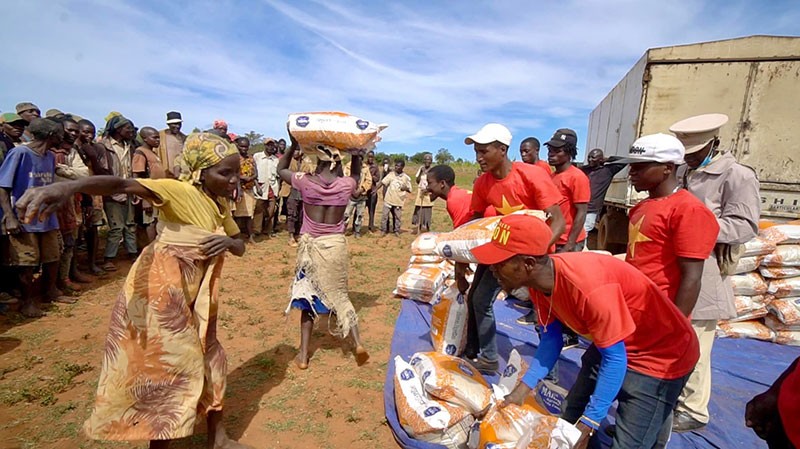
[
  {"x": 147, "y": 165},
  {"x": 163, "y": 364},
  {"x": 320, "y": 285},
  {"x": 32, "y": 242},
  {"x": 398, "y": 185}
]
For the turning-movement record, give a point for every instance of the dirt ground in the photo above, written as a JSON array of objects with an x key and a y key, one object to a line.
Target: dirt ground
[{"x": 49, "y": 366}]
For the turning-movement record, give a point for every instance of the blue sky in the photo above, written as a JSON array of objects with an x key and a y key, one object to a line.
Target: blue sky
[{"x": 435, "y": 71}]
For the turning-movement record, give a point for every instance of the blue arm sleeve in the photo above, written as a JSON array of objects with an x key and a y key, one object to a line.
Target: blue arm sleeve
[
  {"x": 613, "y": 366},
  {"x": 550, "y": 344}
]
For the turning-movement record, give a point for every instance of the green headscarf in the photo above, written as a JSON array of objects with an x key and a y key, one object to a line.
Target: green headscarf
[{"x": 201, "y": 151}]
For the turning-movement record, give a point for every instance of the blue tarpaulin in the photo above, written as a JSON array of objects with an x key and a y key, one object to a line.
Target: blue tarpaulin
[{"x": 740, "y": 370}]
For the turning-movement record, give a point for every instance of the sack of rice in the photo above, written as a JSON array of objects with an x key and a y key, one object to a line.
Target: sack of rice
[
  {"x": 422, "y": 282},
  {"x": 758, "y": 247},
  {"x": 772, "y": 322},
  {"x": 745, "y": 329},
  {"x": 749, "y": 284},
  {"x": 783, "y": 256},
  {"x": 335, "y": 129},
  {"x": 784, "y": 288},
  {"x": 789, "y": 338},
  {"x": 424, "y": 418},
  {"x": 503, "y": 427},
  {"x": 787, "y": 310},
  {"x": 747, "y": 264},
  {"x": 449, "y": 322},
  {"x": 457, "y": 244},
  {"x": 453, "y": 380},
  {"x": 779, "y": 272},
  {"x": 781, "y": 234},
  {"x": 424, "y": 244},
  {"x": 749, "y": 308}
]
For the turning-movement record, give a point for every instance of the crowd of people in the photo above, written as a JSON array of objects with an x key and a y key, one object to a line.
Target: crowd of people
[{"x": 208, "y": 196}]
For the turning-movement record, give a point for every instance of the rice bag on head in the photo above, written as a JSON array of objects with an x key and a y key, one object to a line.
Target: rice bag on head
[
  {"x": 424, "y": 418},
  {"x": 784, "y": 288},
  {"x": 335, "y": 129},
  {"x": 449, "y": 322},
  {"x": 749, "y": 284},
  {"x": 425, "y": 244},
  {"x": 758, "y": 247},
  {"x": 745, "y": 329},
  {"x": 781, "y": 234},
  {"x": 452, "y": 380},
  {"x": 787, "y": 310},
  {"x": 783, "y": 256},
  {"x": 747, "y": 264},
  {"x": 779, "y": 272}
]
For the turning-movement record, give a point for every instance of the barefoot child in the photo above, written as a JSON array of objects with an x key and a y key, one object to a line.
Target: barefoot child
[
  {"x": 163, "y": 365},
  {"x": 320, "y": 285}
]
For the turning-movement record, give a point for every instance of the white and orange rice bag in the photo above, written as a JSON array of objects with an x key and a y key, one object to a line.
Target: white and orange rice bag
[
  {"x": 424, "y": 418},
  {"x": 789, "y": 338},
  {"x": 425, "y": 244},
  {"x": 335, "y": 129},
  {"x": 787, "y": 310},
  {"x": 745, "y": 329},
  {"x": 781, "y": 234},
  {"x": 784, "y": 288},
  {"x": 779, "y": 272},
  {"x": 457, "y": 244},
  {"x": 749, "y": 307},
  {"x": 449, "y": 322},
  {"x": 422, "y": 282},
  {"x": 429, "y": 259},
  {"x": 453, "y": 380},
  {"x": 783, "y": 256},
  {"x": 747, "y": 264},
  {"x": 502, "y": 427},
  {"x": 749, "y": 284},
  {"x": 772, "y": 322},
  {"x": 758, "y": 247}
]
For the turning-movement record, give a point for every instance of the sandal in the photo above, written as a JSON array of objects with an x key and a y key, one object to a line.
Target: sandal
[{"x": 109, "y": 266}]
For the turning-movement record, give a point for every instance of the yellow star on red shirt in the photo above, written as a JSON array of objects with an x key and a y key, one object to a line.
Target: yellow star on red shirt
[
  {"x": 635, "y": 236},
  {"x": 506, "y": 208}
]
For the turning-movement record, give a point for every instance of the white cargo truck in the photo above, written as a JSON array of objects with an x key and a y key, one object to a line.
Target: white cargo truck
[{"x": 755, "y": 80}]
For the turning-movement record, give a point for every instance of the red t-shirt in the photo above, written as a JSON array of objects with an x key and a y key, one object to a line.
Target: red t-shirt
[
  {"x": 789, "y": 405},
  {"x": 574, "y": 186},
  {"x": 662, "y": 229},
  {"x": 607, "y": 301},
  {"x": 525, "y": 187},
  {"x": 544, "y": 165},
  {"x": 458, "y": 206}
]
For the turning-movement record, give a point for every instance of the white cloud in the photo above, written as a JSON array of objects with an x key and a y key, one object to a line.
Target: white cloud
[{"x": 433, "y": 71}]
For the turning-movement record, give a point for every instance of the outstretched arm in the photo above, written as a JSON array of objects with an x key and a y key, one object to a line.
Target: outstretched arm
[
  {"x": 42, "y": 201},
  {"x": 284, "y": 172}
]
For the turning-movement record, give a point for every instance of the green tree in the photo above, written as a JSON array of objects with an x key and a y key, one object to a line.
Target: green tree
[
  {"x": 418, "y": 158},
  {"x": 197, "y": 130},
  {"x": 254, "y": 137},
  {"x": 443, "y": 156}
]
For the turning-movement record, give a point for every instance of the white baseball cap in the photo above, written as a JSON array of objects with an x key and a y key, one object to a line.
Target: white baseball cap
[
  {"x": 661, "y": 148},
  {"x": 491, "y": 132}
]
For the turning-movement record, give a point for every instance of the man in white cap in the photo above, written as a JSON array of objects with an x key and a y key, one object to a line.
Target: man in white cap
[
  {"x": 730, "y": 191},
  {"x": 171, "y": 143},
  {"x": 671, "y": 233},
  {"x": 508, "y": 187}
]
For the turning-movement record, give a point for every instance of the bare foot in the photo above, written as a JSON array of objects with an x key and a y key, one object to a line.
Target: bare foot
[
  {"x": 30, "y": 310},
  {"x": 300, "y": 362},
  {"x": 361, "y": 355},
  {"x": 224, "y": 442}
]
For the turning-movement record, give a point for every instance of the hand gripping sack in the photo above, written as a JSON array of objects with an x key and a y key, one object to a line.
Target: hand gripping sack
[
  {"x": 453, "y": 380},
  {"x": 424, "y": 418},
  {"x": 334, "y": 129},
  {"x": 449, "y": 322}
]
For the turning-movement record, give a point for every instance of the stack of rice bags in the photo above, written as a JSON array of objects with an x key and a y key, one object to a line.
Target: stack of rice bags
[
  {"x": 443, "y": 399},
  {"x": 427, "y": 274},
  {"x": 767, "y": 288}
]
